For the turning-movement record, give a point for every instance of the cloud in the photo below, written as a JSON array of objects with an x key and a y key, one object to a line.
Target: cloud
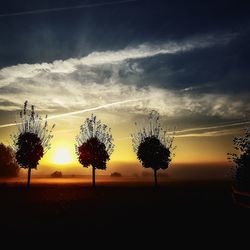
[
  {"x": 28, "y": 71},
  {"x": 102, "y": 78},
  {"x": 77, "y": 112},
  {"x": 218, "y": 130},
  {"x": 68, "y": 95}
]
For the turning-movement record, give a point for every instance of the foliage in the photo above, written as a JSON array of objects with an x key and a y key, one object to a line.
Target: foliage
[
  {"x": 152, "y": 144},
  {"x": 93, "y": 152},
  {"x": 32, "y": 138},
  {"x": 241, "y": 160},
  {"x": 8, "y": 164},
  {"x": 94, "y": 143},
  {"x": 30, "y": 150},
  {"x": 152, "y": 153},
  {"x": 56, "y": 174},
  {"x": 115, "y": 174}
]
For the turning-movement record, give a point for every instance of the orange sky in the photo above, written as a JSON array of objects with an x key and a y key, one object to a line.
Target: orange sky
[{"x": 191, "y": 148}]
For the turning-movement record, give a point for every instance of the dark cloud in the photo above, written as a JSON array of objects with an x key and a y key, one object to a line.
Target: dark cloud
[
  {"x": 219, "y": 68},
  {"x": 97, "y": 74},
  {"x": 7, "y": 103},
  {"x": 74, "y": 33},
  {"x": 9, "y": 89}
]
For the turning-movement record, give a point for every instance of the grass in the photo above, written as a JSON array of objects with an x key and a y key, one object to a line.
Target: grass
[{"x": 72, "y": 208}]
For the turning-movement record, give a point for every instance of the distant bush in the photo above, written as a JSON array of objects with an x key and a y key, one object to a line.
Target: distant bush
[
  {"x": 56, "y": 174},
  {"x": 116, "y": 174},
  {"x": 145, "y": 174},
  {"x": 8, "y": 164},
  {"x": 135, "y": 175},
  {"x": 163, "y": 175}
]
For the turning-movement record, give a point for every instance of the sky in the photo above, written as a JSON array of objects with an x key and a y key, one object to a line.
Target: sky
[{"x": 189, "y": 60}]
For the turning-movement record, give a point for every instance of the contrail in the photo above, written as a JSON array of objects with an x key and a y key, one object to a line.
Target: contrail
[
  {"x": 178, "y": 132},
  {"x": 78, "y": 112},
  {"x": 92, "y": 109},
  {"x": 82, "y": 6},
  {"x": 9, "y": 125},
  {"x": 213, "y": 127}
]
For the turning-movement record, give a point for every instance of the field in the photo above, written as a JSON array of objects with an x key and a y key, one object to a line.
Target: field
[{"x": 116, "y": 208}]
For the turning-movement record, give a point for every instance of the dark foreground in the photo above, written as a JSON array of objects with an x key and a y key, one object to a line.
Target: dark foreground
[{"x": 75, "y": 211}]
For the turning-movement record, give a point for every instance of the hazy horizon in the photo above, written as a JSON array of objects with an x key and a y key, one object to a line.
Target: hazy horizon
[{"x": 187, "y": 172}]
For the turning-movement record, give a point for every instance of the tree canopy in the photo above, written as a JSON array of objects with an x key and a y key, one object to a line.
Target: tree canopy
[
  {"x": 241, "y": 160},
  {"x": 30, "y": 150},
  {"x": 152, "y": 144},
  {"x": 152, "y": 153},
  {"x": 93, "y": 152},
  {"x": 94, "y": 143},
  {"x": 32, "y": 138},
  {"x": 8, "y": 164}
]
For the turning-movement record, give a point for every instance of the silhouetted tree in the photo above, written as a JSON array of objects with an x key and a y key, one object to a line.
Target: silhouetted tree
[
  {"x": 56, "y": 174},
  {"x": 8, "y": 164},
  {"x": 32, "y": 139},
  {"x": 153, "y": 145},
  {"x": 241, "y": 161},
  {"x": 115, "y": 174},
  {"x": 94, "y": 145}
]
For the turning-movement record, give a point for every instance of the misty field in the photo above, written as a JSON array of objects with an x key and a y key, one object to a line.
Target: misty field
[{"x": 117, "y": 207}]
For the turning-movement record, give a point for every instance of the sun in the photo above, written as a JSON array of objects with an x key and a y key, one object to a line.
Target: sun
[{"x": 62, "y": 156}]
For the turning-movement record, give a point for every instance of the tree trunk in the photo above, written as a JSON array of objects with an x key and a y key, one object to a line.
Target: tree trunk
[
  {"x": 155, "y": 177},
  {"x": 29, "y": 174},
  {"x": 93, "y": 176}
]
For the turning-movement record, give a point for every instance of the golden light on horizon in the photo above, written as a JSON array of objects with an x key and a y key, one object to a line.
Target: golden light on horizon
[{"x": 62, "y": 155}]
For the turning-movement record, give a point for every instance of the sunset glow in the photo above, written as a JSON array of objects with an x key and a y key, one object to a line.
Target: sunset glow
[{"x": 62, "y": 156}]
